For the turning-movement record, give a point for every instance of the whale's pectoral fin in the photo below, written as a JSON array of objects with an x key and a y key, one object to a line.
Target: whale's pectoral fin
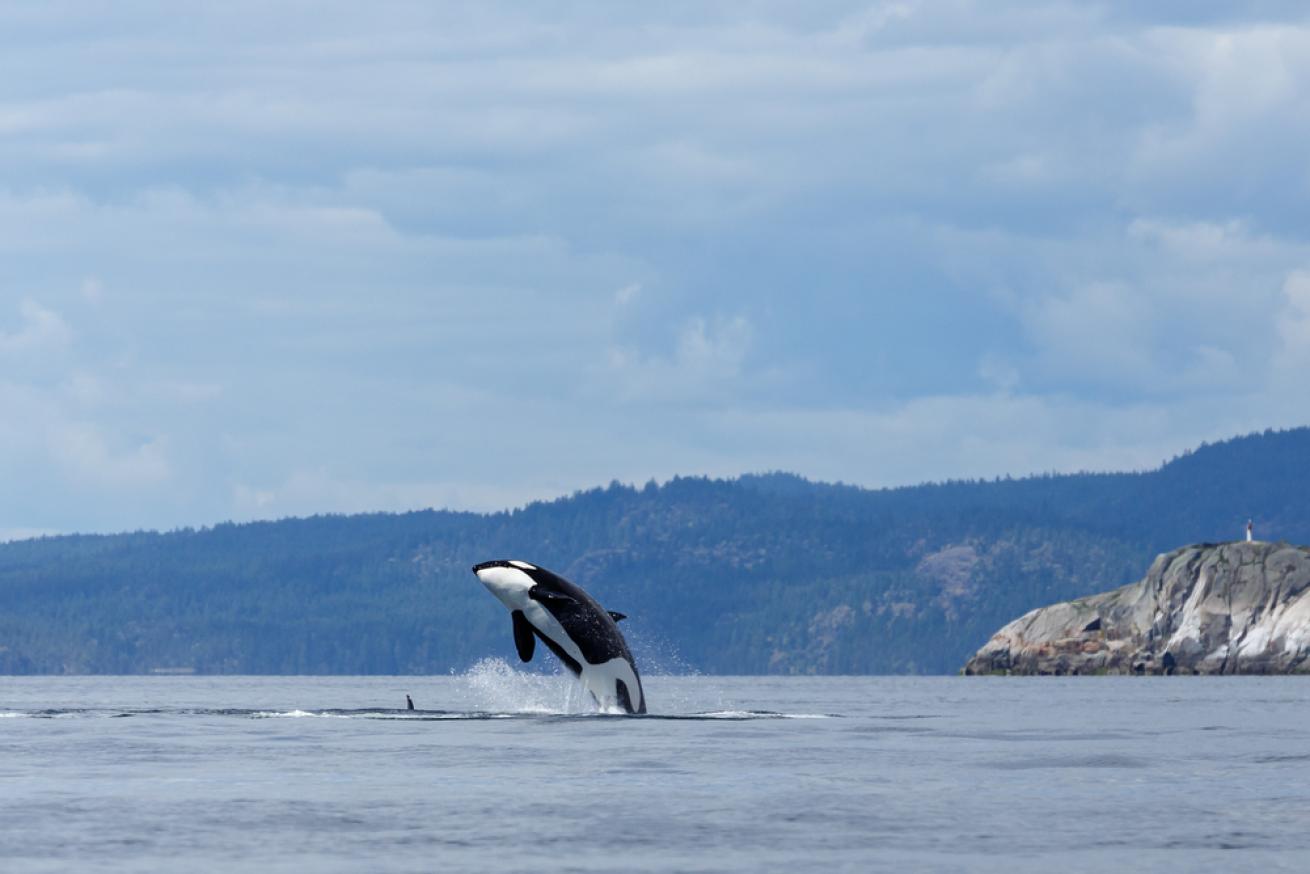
[
  {"x": 545, "y": 596},
  {"x": 617, "y": 616},
  {"x": 524, "y": 641}
]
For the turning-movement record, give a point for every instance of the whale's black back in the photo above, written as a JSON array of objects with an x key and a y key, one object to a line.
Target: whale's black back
[{"x": 591, "y": 627}]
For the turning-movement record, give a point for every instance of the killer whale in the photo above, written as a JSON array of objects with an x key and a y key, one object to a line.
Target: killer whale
[{"x": 582, "y": 635}]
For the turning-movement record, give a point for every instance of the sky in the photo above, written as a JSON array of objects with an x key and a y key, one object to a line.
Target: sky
[{"x": 261, "y": 260}]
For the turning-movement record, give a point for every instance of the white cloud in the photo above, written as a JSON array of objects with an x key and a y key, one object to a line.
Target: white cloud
[
  {"x": 870, "y": 241},
  {"x": 1100, "y": 328},
  {"x": 84, "y": 454},
  {"x": 628, "y": 294},
  {"x": 1293, "y": 326},
  {"x": 1152, "y": 309},
  {"x": 706, "y": 363},
  {"x": 43, "y": 332},
  {"x": 1205, "y": 242},
  {"x": 93, "y": 290},
  {"x": 1230, "y": 152},
  {"x": 999, "y": 373},
  {"x": 715, "y": 351}
]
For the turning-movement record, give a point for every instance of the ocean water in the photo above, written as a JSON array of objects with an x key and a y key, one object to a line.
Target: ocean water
[{"x": 503, "y": 771}]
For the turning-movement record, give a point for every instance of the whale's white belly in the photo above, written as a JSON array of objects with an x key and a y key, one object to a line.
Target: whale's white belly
[{"x": 600, "y": 679}]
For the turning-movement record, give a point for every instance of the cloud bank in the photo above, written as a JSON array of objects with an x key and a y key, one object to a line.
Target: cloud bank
[{"x": 257, "y": 262}]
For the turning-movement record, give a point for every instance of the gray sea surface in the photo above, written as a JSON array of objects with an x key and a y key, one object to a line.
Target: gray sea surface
[{"x": 499, "y": 770}]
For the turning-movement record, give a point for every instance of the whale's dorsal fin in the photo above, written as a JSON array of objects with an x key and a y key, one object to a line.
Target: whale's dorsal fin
[
  {"x": 617, "y": 616},
  {"x": 524, "y": 641}
]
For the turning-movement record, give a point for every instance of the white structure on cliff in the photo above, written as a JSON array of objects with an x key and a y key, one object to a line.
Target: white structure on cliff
[{"x": 1250, "y": 528}]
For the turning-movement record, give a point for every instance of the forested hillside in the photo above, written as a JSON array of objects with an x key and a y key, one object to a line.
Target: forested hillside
[{"x": 760, "y": 574}]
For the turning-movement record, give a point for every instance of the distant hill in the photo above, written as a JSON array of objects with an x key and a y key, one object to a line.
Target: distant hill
[{"x": 761, "y": 574}]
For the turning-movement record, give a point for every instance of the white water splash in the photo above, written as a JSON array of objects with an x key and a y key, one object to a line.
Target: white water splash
[
  {"x": 493, "y": 686},
  {"x": 656, "y": 656}
]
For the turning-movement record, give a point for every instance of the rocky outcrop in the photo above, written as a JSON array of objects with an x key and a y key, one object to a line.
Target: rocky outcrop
[{"x": 1231, "y": 608}]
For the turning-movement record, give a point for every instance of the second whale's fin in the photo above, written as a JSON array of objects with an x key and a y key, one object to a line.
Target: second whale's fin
[
  {"x": 617, "y": 616},
  {"x": 524, "y": 641}
]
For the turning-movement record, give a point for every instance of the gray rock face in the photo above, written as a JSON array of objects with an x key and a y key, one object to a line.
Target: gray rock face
[{"x": 1231, "y": 608}]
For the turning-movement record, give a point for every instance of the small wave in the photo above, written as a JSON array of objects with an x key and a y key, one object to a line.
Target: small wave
[
  {"x": 739, "y": 715},
  {"x": 908, "y": 716},
  {"x": 73, "y": 713},
  {"x": 1106, "y": 760},
  {"x": 401, "y": 715},
  {"x": 1262, "y": 760},
  {"x": 393, "y": 715}
]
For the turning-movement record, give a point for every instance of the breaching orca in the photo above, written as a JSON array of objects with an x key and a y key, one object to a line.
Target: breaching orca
[{"x": 573, "y": 626}]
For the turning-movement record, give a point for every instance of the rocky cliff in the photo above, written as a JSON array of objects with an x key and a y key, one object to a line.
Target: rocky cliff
[{"x": 1231, "y": 608}]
